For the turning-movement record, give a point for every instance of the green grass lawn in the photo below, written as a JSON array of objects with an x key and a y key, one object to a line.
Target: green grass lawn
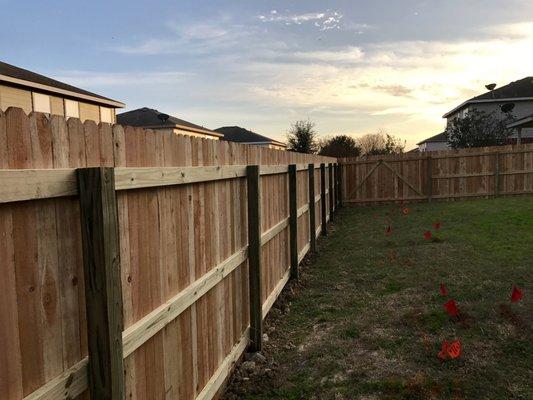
[{"x": 367, "y": 319}]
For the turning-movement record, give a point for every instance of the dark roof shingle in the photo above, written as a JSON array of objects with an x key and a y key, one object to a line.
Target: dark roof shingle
[
  {"x": 521, "y": 89},
  {"x": 25, "y": 75},
  {"x": 441, "y": 137},
  {"x": 514, "y": 90},
  {"x": 241, "y": 135},
  {"x": 149, "y": 117}
]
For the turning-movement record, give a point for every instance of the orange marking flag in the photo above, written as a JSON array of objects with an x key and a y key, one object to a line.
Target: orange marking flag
[
  {"x": 449, "y": 350},
  {"x": 517, "y": 294},
  {"x": 443, "y": 290},
  {"x": 454, "y": 349},
  {"x": 451, "y": 308}
]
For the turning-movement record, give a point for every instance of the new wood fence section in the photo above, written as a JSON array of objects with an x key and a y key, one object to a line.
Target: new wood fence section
[
  {"x": 140, "y": 264},
  {"x": 481, "y": 172}
]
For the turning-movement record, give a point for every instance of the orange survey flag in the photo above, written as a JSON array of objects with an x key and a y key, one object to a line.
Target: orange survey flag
[
  {"x": 451, "y": 308},
  {"x": 450, "y": 350},
  {"x": 454, "y": 350},
  {"x": 517, "y": 294},
  {"x": 443, "y": 290}
]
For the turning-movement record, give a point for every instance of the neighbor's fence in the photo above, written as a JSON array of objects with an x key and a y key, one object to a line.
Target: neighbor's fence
[
  {"x": 148, "y": 275},
  {"x": 481, "y": 172}
]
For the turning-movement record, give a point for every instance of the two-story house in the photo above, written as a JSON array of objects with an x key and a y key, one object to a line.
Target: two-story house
[
  {"x": 517, "y": 96},
  {"x": 34, "y": 92}
]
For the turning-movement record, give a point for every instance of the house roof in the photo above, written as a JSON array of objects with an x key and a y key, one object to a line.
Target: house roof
[
  {"x": 22, "y": 77},
  {"x": 526, "y": 122},
  {"x": 515, "y": 91},
  {"x": 440, "y": 138},
  {"x": 150, "y": 118},
  {"x": 241, "y": 135}
]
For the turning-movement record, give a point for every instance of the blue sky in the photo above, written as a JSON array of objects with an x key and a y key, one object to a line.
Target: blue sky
[{"x": 352, "y": 67}]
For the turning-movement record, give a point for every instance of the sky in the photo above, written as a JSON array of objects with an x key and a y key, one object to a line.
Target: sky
[{"x": 352, "y": 67}]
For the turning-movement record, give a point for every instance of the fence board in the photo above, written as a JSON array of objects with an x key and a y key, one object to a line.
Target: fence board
[
  {"x": 173, "y": 232},
  {"x": 458, "y": 174}
]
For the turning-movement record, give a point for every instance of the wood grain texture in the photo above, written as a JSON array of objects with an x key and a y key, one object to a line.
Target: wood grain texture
[
  {"x": 293, "y": 220},
  {"x": 170, "y": 237},
  {"x": 457, "y": 174},
  {"x": 312, "y": 203},
  {"x": 254, "y": 257},
  {"x": 323, "y": 204},
  {"x": 103, "y": 289}
]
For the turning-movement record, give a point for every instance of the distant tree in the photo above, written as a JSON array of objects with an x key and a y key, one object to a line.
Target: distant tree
[
  {"x": 380, "y": 143},
  {"x": 339, "y": 146},
  {"x": 302, "y": 137},
  {"x": 478, "y": 129}
]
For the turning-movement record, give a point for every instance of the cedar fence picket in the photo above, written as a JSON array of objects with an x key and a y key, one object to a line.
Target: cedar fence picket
[{"x": 134, "y": 262}]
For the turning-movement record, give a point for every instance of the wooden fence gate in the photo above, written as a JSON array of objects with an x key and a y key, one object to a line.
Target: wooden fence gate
[{"x": 479, "y": 172}]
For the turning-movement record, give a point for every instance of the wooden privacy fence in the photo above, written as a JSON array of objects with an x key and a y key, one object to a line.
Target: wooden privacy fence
[
  {"x": 139, "y": 264},
  {"x": 481, "y": 172}
]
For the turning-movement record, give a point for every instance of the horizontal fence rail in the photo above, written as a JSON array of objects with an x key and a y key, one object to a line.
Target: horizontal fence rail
[
  {"x": 485, "y": 172},
  {"x": 180, "y": 268}
]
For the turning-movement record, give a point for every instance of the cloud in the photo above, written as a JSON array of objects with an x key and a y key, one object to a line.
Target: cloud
[
  {"x": 347, "y": 54},
  {"x": 214, "y": 35},
  {"x": 89, "y": 79},
  {"x": 403, "y": 86},
  {"x": 394, "y": 90},
  {"x": 324, "y": 21}
]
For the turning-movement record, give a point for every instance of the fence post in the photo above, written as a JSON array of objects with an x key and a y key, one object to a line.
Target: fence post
[
  {"x": 103, "y": 290},
  {"x": 336, "y": 184},
  {"x": 254, "y": 257},
  {"x": 293, "y": 219},
  {"x": 497, "y": 174},
  {"x": 323, "y": 198},
  {"x": 340, "y": 185},
  {"x": 331, "y": 198},
  {"x": 429, "y": 178},
  {"x": 312, "y": 219}
]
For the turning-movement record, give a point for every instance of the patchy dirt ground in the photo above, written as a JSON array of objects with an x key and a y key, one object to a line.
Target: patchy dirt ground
[{"x": 366, "y": 321}]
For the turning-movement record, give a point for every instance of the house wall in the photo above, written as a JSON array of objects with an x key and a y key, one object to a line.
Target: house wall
[
  {"x": 89, "y": 112},
  {"x": 522, "y": 109},
  {"x": 22, "y": 98},
  {"x": 433, "y": 146},
  {"x": 179, "y": 131},
  {"x": 57, "y": 106},
  {"x": 15, "y": 97},
  {"x": 275, "y": 147}
]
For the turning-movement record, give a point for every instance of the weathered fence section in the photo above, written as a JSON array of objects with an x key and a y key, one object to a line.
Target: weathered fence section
[
  {"x": 186, "y": 244},
  {"x": 481, "y": 172}
]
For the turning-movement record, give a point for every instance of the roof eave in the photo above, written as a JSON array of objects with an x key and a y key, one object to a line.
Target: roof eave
[
  {"x": 185, "y": 128},
  {"x": 521, "y": 122},
  {"x": 507, "y": 99},
  {"x": 272, "y": 142},
  {"x": 47, "y": 88}
]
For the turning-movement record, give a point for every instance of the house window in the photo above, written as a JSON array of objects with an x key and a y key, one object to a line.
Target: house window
[
  {"x": 106, "y": 115},
  {"x": 72, "y": 109},
  {"x": 41, "y": 103}
]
